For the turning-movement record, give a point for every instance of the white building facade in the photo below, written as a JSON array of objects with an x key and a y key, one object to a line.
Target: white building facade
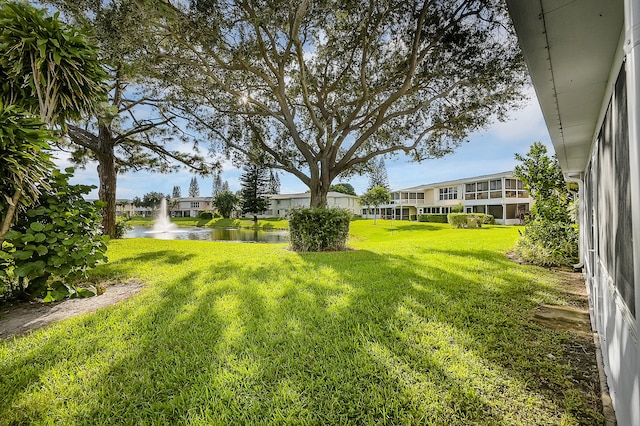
[
  {"x": 584, "y": 61},
  {"x": 190, "y": 206},
  {"x": 500, "y": 195},
  {"x": 280, "y": 204}
]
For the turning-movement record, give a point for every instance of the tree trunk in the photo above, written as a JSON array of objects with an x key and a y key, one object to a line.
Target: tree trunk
[
  {"x": 11, "y": 212},
  {"x": 319, "y": 190},
  {"x": 107, "y": 176}
]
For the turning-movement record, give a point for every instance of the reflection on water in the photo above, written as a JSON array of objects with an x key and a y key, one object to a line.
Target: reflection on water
[{"x": 211, "y": 234}]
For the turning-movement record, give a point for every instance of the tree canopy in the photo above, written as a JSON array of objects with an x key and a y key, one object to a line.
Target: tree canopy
[
  {"x": 344, "y": 188},
  {"x": 134, "y": 129},
  {"x": 551, "y": 234},
  {"x": 323, "y": 87},
  {"x": 378, "y": 174},
  {"x": 226, "y": 202},
  {"x": 375, "y": 197}
]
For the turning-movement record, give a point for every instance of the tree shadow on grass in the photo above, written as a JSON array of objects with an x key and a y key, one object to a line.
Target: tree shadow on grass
[{"x": 352, "y": 337}]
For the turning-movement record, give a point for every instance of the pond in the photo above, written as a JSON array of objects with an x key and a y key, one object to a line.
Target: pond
[{"x": 211, "y": 234}]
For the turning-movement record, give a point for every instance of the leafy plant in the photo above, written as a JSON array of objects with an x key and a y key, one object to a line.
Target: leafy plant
[
  {"x": 459, "y": 208},
  {"x": 123, "y": 224},
  {"x": 54, "y": 243},
  {"x": 469, "y": 220},
  {"x": 318, "y": 229},
  {"x": 549, "y": 243},
  {"x": 47, "y": 67},
  {"x": 202, "y": 214},
  {"x": 225, "y": 202},
  {"x": 550, "y": 238},
  {"x": 375, "y": 197},
  {"x": 435, "y": 218},
  {"x": 24, "y": 165}
]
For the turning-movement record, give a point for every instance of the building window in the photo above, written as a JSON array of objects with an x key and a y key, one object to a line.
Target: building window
[
  {"x": 515, "y": 189},
  {"x": 421, "y": 196},
  {"x": 450, "y": 193},
  {"x": 195, "y": 204}
]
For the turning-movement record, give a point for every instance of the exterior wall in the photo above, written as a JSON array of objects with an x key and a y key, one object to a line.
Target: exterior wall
[
  {"x": 609, "y": 232},
  {"x": 190, "y": 206},
  {"x": 280, "y": 204},
  {"x": 429, "y": 196},
  {"x": 510, "y": 208}
]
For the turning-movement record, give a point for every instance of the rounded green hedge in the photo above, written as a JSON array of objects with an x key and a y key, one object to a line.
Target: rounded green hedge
[{"x": 316, "y": 229}]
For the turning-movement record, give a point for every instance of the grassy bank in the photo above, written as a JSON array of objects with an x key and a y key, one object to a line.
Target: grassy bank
[
  {"x": 419, "y": 324},
  {"x": 189, "y": 222}
]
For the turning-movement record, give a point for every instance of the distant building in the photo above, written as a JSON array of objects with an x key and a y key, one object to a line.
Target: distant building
[
  {"x": 190, "y": 206},
  {"x": 126, "y": 208},
  {"x": 500, "y": 195},
  {"x": 280, "y": 204}
]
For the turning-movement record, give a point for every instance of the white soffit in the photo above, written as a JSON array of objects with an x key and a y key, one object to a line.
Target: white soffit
[{"x": 569, "y": 48}]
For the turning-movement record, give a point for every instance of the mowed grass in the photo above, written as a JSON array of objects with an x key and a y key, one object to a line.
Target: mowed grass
[{"x": 418, "y": 324}]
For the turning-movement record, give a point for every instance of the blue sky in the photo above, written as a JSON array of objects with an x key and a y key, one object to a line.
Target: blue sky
[{"x": 489, "y": 151}]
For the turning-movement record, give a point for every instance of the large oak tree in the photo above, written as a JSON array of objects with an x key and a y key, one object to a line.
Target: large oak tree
[{"x": 324, "y": 86}]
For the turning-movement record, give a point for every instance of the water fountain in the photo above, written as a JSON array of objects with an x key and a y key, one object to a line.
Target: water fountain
[{"x": 163, "y": 224}]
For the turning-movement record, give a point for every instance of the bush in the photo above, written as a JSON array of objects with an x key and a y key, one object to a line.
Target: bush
[
  {"x": 434, "y": 218},
  {"x": 314, "y": 229},
  {"x": 486, "y": 219},
  {"x": 202, "y": 214},
  {"x": 470, "y": 220},
  {"x": 53, "y": 243},
  {"x": 123, "y": 224},
  {"x": 412, "y": 217},
  {"x": 457, "y": 220},
  {"x": 549, "y": 243}
]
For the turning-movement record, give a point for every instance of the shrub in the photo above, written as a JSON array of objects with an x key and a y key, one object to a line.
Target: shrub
[
  {"x": 549, "y": 243},
  {"x": 202, "y": 214},
  {"x": 434, "y": 218},
  {"x": 412, "y": 217},
  {"x": 54, "y": 243},
  {"x": 123, "y": 224},
  {"x": 459, "y": 208},
  {"x": 469, "y": 220},
  {"x": 314, "y": 229},
  {"x": 486, "y": 219},
  {"x": 457, "y": 220}
]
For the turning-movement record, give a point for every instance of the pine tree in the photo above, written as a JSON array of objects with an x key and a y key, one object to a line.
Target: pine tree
[
  {"x": 225, "y": 187},
  {"x": 217, "y": 185},
  {"x": 194, "y": 189},
  {"x": 274, "y": 182},
  {"x": 177, "y": 192},
  {"x": 255, "y": 184},
  {"x": 378, "y": 175}
]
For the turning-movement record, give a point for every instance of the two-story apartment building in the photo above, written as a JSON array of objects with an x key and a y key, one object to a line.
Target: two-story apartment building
[
  {"x": 500, "y": 195},
  {"x": 280, "y": 204},
  {"x": 190, "y": 206}
]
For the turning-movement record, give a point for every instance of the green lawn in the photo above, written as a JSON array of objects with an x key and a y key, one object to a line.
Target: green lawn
[{"x": 419, "y": 324}]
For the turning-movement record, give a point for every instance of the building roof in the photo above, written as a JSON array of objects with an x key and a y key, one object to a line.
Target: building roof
[
  {"x": 455, "y": 182},
  {"x": 303, "y": 195},
  {"x": 192, "y": 199},
  {"x": 569, "y": 47}
]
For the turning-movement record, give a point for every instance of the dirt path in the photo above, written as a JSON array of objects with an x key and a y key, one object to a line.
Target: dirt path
[{"x": 21, "y": 318}]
